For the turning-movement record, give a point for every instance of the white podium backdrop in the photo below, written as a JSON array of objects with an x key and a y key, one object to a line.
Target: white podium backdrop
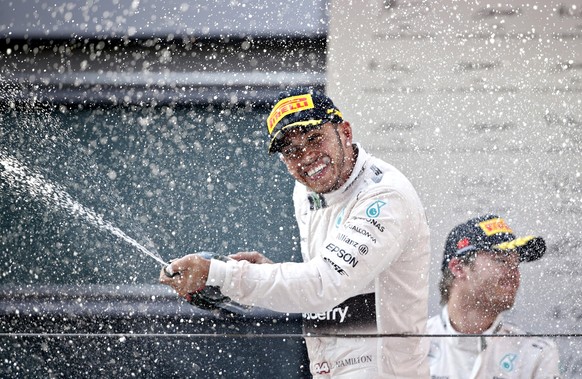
[{"x": 480, "y": 105}]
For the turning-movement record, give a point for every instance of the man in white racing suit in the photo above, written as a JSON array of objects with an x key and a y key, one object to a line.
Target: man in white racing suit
[
  {"x": 365, "y": 245},
  {"x": 480, "y": 280}
]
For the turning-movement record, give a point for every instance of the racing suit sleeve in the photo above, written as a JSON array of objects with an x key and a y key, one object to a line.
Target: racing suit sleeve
[{"x": 380, "y": 223}]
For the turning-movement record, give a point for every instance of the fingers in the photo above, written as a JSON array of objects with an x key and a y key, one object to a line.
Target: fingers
[
  {"x": 171, "y": 271},
  {"x": 166, "y": 274},
  {"x": 192, "y": 274},
  {"x": 251, "y": 256}
]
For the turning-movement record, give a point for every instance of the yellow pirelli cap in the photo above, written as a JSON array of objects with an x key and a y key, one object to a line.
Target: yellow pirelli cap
[{"x": 306, "y": 108}]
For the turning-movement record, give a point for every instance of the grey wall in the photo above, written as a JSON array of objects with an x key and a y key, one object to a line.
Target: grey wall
[
  {"x": 480, "y": 105},
  {"x": 148, "y": 18}
]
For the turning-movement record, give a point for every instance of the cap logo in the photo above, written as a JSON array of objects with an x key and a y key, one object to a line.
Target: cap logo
[
  {"x": 494, "y": 226},
  {"x": 463, "y": 243},
  {"x": 288, "y": 106}
]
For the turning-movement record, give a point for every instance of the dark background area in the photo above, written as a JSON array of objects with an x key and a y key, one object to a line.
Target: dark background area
[{"x": 178, "y": 179}]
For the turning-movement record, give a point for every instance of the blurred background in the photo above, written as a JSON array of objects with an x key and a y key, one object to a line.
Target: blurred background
[{"x": 147, "y": 117}]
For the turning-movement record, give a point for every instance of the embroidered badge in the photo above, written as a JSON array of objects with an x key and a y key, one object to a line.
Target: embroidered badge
[
  {"x": 507, "y": 362},
  {"x": 373, "y": 210}
]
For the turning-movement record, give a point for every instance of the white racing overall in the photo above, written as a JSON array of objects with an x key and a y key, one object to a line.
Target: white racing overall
[
  {"x": 490, "y": 356},
  {"x": 366, "y": 254}
]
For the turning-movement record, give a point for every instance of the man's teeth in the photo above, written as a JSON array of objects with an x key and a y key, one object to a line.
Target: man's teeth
[{"x": 315, "y": 170}]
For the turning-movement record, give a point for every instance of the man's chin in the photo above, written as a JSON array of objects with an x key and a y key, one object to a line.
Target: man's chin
[
  {"x": 499, "y": 303},
  {"x": 321, "y": 187},
  {"x": 506, "y": 304}
]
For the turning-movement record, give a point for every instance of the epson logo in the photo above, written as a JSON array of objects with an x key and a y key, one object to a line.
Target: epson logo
[{"x": 344, "y": 255}]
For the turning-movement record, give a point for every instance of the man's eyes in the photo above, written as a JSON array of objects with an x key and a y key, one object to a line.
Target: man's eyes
[
  {"x": 311, "y": 140},
  {"x": 290, "y": 151},
  {"x": 506, "y": 261},
  {"x": 315, "y": 138}
]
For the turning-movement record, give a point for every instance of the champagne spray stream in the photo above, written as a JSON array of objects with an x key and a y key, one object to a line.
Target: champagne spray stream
[{"x": 23, "y": 179}]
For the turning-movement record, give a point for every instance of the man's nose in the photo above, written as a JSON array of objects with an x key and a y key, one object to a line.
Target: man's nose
[{"x": 302, "y": 151}]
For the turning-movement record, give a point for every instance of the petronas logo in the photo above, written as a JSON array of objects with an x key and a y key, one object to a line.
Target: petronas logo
[{"x": 507, "y": 362}]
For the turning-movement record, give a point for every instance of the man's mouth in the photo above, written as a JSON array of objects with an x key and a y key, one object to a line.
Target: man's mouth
[{"x": 317, "y": 168}]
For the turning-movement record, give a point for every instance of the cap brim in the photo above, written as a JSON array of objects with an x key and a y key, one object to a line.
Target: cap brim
[{"x": 529, "y": 248}]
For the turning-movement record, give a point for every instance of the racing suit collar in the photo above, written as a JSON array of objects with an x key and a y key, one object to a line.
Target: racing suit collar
[
  {"x": 473, "y": 344},
  {"x": 318, "y": 201}
]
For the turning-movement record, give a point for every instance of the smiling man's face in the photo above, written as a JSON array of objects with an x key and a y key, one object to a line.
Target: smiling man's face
[{"x": 322, "y": 159}]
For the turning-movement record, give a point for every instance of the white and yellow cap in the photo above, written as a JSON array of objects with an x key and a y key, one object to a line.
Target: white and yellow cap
[
  {"x": 490, "y": 233},
  {"x": 304, "y": 108}
]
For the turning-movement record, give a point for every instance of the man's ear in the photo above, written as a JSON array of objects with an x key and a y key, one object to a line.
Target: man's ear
[
  {"x": 457, "y": 268},
  {"x": 346, "y": 129}
]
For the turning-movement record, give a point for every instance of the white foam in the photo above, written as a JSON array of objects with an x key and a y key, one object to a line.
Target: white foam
[{"x": 22, "y": 179}]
